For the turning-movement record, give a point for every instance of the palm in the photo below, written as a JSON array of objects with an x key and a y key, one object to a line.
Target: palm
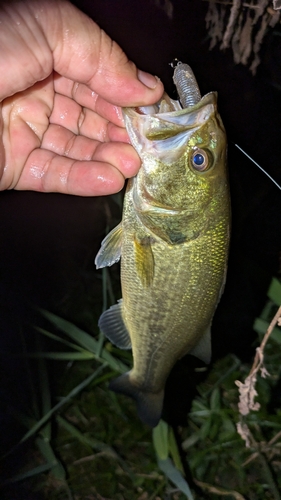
[{"x": 55, "y": 130}]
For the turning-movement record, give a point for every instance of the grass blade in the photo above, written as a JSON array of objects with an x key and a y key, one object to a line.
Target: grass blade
[
  {"x": 85, "y": 340},
  {"x": 82, "y": 338},
  {"x": 274, "y": 291},
  {"x": 161, "y": 440},
  {"x": 94, "y": 444},
  {"x": 174, "y": 451},
  {"x": 61, "y": 403},
  {"x": 67, "y": 356},
  {"x": 175, "y": 476},
  {"x": 49, "y": 455},
  {"x": 58, "y": 339},
  {"x": 28, "y": 474}
]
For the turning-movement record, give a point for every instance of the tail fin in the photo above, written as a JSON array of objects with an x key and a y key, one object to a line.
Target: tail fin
[{"x": 149, "y": 404}]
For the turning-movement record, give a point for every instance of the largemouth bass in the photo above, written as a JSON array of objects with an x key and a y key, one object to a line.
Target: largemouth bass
[{"x": 173, "y": 240}]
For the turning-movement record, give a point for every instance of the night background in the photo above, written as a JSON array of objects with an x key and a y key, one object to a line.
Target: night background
[{"x": 49, "y": 241}]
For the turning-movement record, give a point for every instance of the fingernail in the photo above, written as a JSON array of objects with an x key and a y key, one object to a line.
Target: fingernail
[{"x": 147, "y": 79}]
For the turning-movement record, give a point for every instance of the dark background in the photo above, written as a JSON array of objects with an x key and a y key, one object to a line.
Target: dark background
[{"x": 49, "y": 241}]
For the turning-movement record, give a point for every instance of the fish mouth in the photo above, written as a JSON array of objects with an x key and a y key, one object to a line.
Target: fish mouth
[
  {"x": 165, "y": 105},
  {"x": 163, "y": 129},
  {"x": 170, "y": 110}
]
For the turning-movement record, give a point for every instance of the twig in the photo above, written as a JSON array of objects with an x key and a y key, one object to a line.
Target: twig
[
  {"x": 247, "y": 390},
  {"x": 271, "y": 10},
  {"x": 224, "y": 2},
  {"x": 275, "y": 438},
  {"x": 218, "y": 491},
  {"x": 234, "y": 12}
]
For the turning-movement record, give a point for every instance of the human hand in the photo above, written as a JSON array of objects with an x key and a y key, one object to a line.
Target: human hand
[{"x": 61, "y": 126}]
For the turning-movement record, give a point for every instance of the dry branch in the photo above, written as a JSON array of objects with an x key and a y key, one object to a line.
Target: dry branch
[
  {"x": 247, "y": 390},
  {"x": 242, "y": 25}
]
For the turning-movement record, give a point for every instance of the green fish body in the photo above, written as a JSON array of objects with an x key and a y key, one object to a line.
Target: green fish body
[{"x": 173, "y": 242}]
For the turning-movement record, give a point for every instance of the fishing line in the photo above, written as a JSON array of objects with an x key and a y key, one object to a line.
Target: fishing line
[{"x": 264, "y": 171}]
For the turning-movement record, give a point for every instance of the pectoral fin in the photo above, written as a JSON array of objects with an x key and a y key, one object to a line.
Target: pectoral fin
[
  {"x": 144, "y": 260},
  {"x": 112, "y": 326},
  {"x": 110, "y": 251},
  {"x": 203, "y": 349}
]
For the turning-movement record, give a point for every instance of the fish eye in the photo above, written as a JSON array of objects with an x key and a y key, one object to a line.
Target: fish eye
[{"x": 200, "y": 160}]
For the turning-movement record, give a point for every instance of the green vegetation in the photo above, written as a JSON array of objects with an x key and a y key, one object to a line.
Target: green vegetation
[{"x": 87, "y": 443}]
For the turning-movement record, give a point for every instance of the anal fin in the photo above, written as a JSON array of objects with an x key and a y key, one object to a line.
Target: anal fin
[
  {"x": 203, "y": 349},
  {"x": 113, "y": 327}
]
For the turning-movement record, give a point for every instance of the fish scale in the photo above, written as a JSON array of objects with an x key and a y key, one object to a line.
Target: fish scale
[{"x": 173, "y": 241}]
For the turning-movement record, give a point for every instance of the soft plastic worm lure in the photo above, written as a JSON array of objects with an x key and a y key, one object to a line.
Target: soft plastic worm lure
[{"x": 186, "y": 84}]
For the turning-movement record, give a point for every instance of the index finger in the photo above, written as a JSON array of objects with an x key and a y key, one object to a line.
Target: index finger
[{"x": 84, "y": 53}]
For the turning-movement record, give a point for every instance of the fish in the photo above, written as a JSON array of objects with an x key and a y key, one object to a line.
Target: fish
[{"x": 173, "y": 241}]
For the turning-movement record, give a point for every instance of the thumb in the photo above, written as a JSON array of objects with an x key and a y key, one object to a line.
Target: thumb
[{"x": 84, "y": 53}]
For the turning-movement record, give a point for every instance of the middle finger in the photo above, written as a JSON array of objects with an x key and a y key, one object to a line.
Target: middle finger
[
  {"x": 84, "y": 96},
  {"x": 79, "y": 120}
]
